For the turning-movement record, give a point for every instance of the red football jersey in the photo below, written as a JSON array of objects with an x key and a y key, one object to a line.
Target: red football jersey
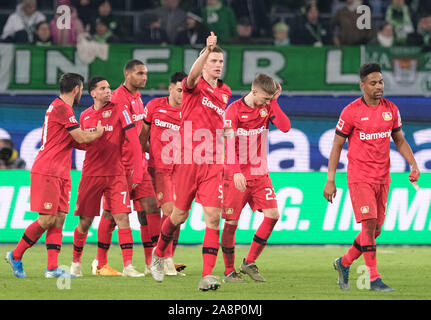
[
  {"x": 244, "y": 153},
  {"x": 202, "y": 110},
  {"x": 55, "y": 154},
  {"x": 123, "y": 97},
  {"x": 368, "y": 130},
  {"x": 161, "y": 116},
  {"x": 103, "y": 156}
]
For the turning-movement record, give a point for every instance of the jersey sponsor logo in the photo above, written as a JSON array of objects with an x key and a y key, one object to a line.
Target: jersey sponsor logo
[
  {"x": 107, "y": 127},
  {"x": 251, "y": 132},
  {"x": 106, "y": 114},
  {"x": 47, "y": 205},
  {"x": 387, "y": 116},
  {"x": 72, "y": 119},
  {"x": 127, "y": 117},
  {"x": 207, "y": 102},
  {"x": 138, "y": 117},
  {"x": 364, "y": 119},
  {"x": 165, "y": 124},
  {"x": 340, "y": 124},
  {"x": 263, "y": 112},
  {"x": 365, "y": 209},
  {"x": 374, "y": 136}
]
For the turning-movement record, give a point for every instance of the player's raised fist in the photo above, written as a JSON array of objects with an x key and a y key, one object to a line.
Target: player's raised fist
[{"x": 211, "y": 41}]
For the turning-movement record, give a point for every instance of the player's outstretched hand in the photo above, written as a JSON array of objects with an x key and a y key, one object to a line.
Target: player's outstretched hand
[
  {"x": 330, "y": 191},
  {"x": 99, "y": 129},
  {"x": 211, "y": 41},
  {"x": 240, "y": 181}
]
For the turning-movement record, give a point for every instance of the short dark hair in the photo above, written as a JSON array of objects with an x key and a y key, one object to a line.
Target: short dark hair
[
  {"x": 93, "y": 83},
  {"x": 132, "y": 63},
  {"x": 69, "y": 81},
  {"x": 368, "y": 68},
  {"x": 178, "y": 77}
]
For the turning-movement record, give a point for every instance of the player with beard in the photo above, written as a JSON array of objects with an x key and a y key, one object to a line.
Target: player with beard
[{"x": 50, "y": 176}]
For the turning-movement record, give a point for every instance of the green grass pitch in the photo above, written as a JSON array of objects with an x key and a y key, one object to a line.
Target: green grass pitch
[{"x": 292, "y": 272}]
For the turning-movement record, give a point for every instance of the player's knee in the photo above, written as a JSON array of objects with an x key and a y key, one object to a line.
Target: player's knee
[
  {"x": 84, "y": 224},
  {"x": 46, "y": 221},
  {"x": 122, "y": 220},
  {"x": 107, "y": 215},
  {"x": 271, "y": 213}
]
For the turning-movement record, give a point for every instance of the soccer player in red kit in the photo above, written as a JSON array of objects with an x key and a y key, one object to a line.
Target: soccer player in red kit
[
  {"x": 144, "y": 201},
  {"x": 368, "y": 123},
  {"x": 163, "y": 114},
  {"x": 50, "y": 176},
  {"x": 246, "y": 176},
  {"x": 103, "y": 173},
  {"x": 199, "y": 173}
]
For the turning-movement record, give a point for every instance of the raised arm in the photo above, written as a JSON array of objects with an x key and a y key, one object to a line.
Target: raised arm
[{"x": 198, "y": 66}]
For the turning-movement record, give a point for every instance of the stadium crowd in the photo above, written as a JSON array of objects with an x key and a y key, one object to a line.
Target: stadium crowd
[{"x": 187, "y": 22}]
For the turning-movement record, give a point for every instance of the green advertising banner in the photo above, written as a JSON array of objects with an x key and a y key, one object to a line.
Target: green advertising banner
[
  {"x": 297, "y": 68},
  {"x": 306, "y": 217}
]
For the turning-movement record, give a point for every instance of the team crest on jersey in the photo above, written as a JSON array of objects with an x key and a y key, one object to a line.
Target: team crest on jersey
[
  {"x": 225, "y": 98},
  {"x": 47, "y": 205},
  {"x": 160, "y": 195},
  {"x": 387, "y": 116},
  {"x": 106, "y": 114},
  {"x": 365, "y": 209},
  {"x": 263, "y": 112},
  {"x": 229, "y": 211}
]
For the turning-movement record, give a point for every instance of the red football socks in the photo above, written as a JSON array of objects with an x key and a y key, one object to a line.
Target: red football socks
[
  {"x": 368, "y": 245},
  {"x": 78, "y": 244},
  {"x": 125, "y": 239},
  {"x": 54, "y": 238},
  {"x": 354, "y": 252},
  {"x": 147, "y": 243},
  {"x": 30, "y": 237},
  {"x": 260, "y": 239},
  {"x": 228, "y": 247},
  {"x": 210, "y": 248},
  {"x": 154, "y": 226},
  {"x": 166, "y": 236},
  {"x": 104, "y": 238}
]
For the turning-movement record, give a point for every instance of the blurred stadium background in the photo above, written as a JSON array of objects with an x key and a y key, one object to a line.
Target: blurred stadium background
[{"x": 317, "y": 70}]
